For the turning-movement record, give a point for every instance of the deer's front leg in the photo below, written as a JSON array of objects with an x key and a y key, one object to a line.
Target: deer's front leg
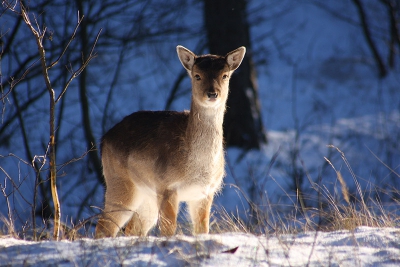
[
  {"x": 200, "y": 214},
  {"x": 168, "y": 212}
]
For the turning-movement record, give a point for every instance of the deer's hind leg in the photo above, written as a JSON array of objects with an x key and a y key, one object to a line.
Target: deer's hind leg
[
  {"x": 199, "y": 211},
  {"x": 143, "y": 219},
  {"x": 121, "y": 199},
  {"x": 169, "y": 208}
]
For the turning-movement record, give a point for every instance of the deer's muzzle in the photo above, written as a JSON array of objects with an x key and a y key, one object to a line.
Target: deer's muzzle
[{"x": 212, "y": 95}]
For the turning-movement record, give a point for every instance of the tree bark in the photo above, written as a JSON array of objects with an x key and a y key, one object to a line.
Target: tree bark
[{"x": 227, "y": 29}]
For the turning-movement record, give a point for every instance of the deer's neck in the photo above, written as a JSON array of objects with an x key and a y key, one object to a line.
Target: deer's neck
[{"x": 204, "y": 134}]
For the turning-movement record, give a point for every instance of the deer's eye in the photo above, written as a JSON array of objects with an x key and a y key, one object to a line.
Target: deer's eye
[
  {"x": 224, "y": 77},
  {"x": 197, "y": 77}
]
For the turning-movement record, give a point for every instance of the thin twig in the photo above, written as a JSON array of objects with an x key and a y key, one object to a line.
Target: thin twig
[
  {"x": 83, "y": 66},
  {"x": 69, "y": 42},
  {"x": 14, "y": 82}
]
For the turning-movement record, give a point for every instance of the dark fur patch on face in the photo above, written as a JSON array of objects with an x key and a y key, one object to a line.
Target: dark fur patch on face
[{"x": 210, "y": 62}]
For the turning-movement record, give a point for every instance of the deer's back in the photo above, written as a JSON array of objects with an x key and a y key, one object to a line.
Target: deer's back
[{"x": 144, "y": 130}]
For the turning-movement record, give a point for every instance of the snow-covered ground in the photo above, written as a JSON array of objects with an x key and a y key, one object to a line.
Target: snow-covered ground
[{"x": 362, "y": 247}]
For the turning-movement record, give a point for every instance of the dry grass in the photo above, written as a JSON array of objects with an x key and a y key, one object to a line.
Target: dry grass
[{"x": 330, "y": 212}]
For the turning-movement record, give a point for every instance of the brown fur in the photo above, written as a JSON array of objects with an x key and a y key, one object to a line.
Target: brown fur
[{"x": 154, "y": 160}]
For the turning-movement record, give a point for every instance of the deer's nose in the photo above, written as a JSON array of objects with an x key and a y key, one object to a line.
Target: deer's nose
[{"x": 212, "y": 95}]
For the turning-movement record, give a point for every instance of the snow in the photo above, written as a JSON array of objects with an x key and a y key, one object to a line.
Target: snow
[{"x": 363, "y": 246}]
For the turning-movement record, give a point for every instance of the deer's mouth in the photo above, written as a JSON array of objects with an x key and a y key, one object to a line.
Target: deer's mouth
[{"x": 212, "y": 96}]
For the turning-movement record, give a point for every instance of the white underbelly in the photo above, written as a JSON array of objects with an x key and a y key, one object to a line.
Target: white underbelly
[{"x": 194, "y": 192}]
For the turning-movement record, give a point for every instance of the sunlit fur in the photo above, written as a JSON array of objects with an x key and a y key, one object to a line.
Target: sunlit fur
[{"x": 154, "y": 160}]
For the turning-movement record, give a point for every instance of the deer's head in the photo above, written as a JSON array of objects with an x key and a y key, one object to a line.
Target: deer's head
[{"x": 210, "y": 74}]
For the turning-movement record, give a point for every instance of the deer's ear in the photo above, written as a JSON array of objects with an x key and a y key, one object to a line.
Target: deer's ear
[
  {"x": 186, "y": 57},
  {"x": 235, "y": 57}
]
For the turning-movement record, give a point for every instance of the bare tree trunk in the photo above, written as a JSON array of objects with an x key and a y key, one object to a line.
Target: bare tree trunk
[
  {"x": 368, "y": 37},
  {"x": 90, "y": 139},
  {"x": 227, "y": 29},
  {"x": 393, "y": 8}
]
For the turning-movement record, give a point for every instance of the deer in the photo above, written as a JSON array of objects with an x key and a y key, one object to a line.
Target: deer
[{"x": 153, "y": 160}]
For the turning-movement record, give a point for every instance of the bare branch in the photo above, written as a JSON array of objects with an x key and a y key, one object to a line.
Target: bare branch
[
  {"x": 76, "y": 159},
  {"x": 69, "y": 42},
  {"x": 7, "y": 123},
  {"x": 13, "y": 82},
  {"x": 9, "y": 6},
  {"x": 16, "y": 186},
  {"x": 39, "y": 41},
  {"x": 83, "y": 66}
]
